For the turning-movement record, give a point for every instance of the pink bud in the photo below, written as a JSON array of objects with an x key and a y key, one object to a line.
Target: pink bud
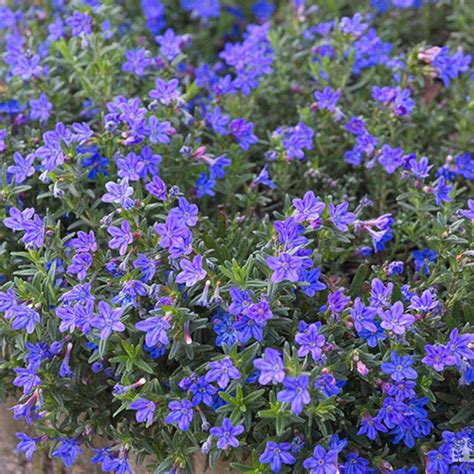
[{"x": 362, "y": 369}]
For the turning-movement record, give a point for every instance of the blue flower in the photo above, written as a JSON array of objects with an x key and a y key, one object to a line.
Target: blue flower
[
  {"x": 26, "y": 444},
  {"x": 156, "y": 330},
  {"x": 181, "y": 413},
  {"x": 271, "y": 367},
  {"x": 203, "y": 392},
  {"x": 23, "y": 167},
  {"x": 145, "y": 410},
  {"x": 67, "y": 451},
  {"x": 399, "y": 367},
  {"x": 192, "y": 272},
  {"x": 227, "y": 434},
  {"x": 222, "y": 372},
  {"x": 277, "y": 454},
  {"x": 422, "y": 258},
  {"x": 121, "y": 237},
  {"x": 205, "y": 185},
  {"x": 285, "y": 267},
  {"x": 322, "y": 461},
  {"x": 295, "y": 392}
]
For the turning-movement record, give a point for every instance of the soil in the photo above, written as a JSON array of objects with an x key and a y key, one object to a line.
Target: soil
[{"x": 12, "y": 462}]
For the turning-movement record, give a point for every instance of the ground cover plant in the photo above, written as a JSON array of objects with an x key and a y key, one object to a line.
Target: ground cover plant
[{"x": 242, "y": 228}]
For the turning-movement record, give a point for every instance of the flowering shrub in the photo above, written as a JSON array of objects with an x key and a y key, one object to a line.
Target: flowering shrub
[{"x": 239, "y": 227}]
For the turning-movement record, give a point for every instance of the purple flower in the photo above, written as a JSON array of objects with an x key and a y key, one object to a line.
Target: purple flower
[
  {"x": 458, "y": 346},
  {"x": 397, "y": 99},
  {"x": 108, "y": 320},
  {"x": 34, "y": 231},
  {"x": 438, "y": 357},
  {"x": 185, "y": 213},
  {"x": 68, "y": 451},
  {"x": 145, "y": 410},
  {"x": 450, "y": 66},
  {"x": 370, "y": 427},
  {"x": 222, "y": 372},
  {"x": 337, "y": 302},
  {"x": 192, "y": 272},
  {"x": 422, "y": 258},
  {"x": 321, "y": 462},
  {"x": 217, "y": 166},
  {"x": 380, "y": 294},
  {"x": 226, "y": 434},
  {"x": 441, "y": 191},
  {"x": 356, "y": 465},
  {"x": 285, "y": 267},
  {"x": 119, "y": 193},
  {"x": 8, "y": 300},
  {"x": 23, "y": 167},
  {"x": 218, "y": 121},
  {"x": 150, "y": 162},
  {"x": 170, "y": 44},
  {"x": 356, "y": 126},
  {"x": 390, "y": 158},
  {"x": 309, "y": 208},
  {"x": 27, "y": 67},
  {"x": 156, "y": 330},
  {"x": 310, "y": 283},
  {"x": 260, "y": 311},
  {"x": 146, "y": 265},
  {"x": 340, "y": 217},
  {"x": 247, "y": 328},
  {"x": 172, "y": 231},
  {"x": 137, "y": 61},
  {"x": 402, "y": 390},
  {"x": 121, "y": 237},
  {"x": 181, "y": 413},
  {"x": 363, "y": 316},
  {"x": 203, "y": 392},
  {"x": 353, "y": 26},
  {"x": 439, "y": 461},
  {"x": 158, "y": 131},
  {"x": 84, "y": 242},
  {"x": 421, "y": 168},
  {"x": 310, "y": 341},
  {"x": 81, "y": 262},
  {"x": 40, "y": 108},
  {"x": 271, "y": 367},
  {"x": 26, "y": 444},
  {"x": 295, "y": 392},
  {"x": 24, "y": 317},
  {"x": 264, "y": 178},
  {"x": 157, "y": 187},
  {"x": 165, "y": 92},
  {"x": 399, "y": 367},
  {"x": 327, "y": 99},
  {"x": 469, "y": 212},
  {"x": 394, "y": 319},
  {"x": 26, "y": 378},
  {"x": 3, "y": 135},
  {"x": 277, "y": 454},
  {"x": 296, "y": 139},
  {"x": 81, "y": 23},
  {"x": 205, "y": 185},
  {"x": 423, "y": 303},
  {"x": 130, "y": 167},
  {"x": 243, "y": 133},
  {"x": 395, "y": 268},
  {"x": 328, "y": 385},
  {"x": 203, "y": 9}
]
